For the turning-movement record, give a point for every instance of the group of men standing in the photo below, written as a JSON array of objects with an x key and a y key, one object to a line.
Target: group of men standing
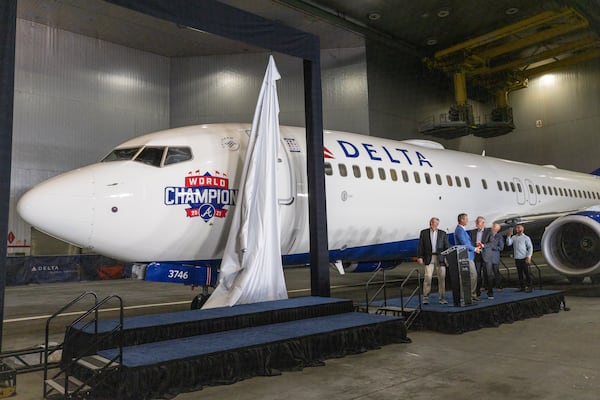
[{"x": 484, "y": 246}]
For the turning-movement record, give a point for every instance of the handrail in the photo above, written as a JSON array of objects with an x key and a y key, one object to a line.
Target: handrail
[
  {"x": 539, "y": 272},
  {"x": 97, "y": 340},
  {"x": 46, "y": 354},
  {"x": 507, "y": 271},
  {"x": 382, "y": 287},
  {"x": 417, "y": 289}
]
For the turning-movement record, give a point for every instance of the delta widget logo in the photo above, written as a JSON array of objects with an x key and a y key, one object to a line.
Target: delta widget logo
[{"x": 206, "y": 195}]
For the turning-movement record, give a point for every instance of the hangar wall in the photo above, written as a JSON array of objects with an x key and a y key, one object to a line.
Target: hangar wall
[
  {"x": 224, "y": 88},
  {"x": 400, "y": 97},
  {"x": 76, "y": 97},
  {"x": 567, "y": 104}
]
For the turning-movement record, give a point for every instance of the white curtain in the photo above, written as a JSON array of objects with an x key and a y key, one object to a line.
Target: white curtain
[{"x": 251, "y": 269}]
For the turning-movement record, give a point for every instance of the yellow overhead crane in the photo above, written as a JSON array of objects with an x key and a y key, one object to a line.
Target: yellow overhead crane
[{"x": 504, "y": 59}]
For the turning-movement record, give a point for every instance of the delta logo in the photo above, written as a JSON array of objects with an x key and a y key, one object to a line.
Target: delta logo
[{"x": 205, "y": 194}]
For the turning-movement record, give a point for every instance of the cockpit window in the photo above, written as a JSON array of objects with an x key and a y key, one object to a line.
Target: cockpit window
[
  {"x": 121, "y": 154},
  {"x": 177, "y": 154},
  {"x": 151, "y": 156}
]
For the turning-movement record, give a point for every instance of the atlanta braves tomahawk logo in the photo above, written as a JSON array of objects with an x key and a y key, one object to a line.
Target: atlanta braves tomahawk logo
[{"x": 206, "y": 195}]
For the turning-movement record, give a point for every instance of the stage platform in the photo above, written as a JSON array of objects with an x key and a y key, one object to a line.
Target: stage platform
[
  {"x": 507, "y": 306},
  {"x": 161, "y": 357}
]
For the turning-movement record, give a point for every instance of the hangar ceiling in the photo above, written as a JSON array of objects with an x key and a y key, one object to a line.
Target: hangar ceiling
[{"x": 419, "y": 27}]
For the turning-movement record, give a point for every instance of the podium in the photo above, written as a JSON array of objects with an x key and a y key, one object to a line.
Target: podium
[{"x": 460, "y": 274}]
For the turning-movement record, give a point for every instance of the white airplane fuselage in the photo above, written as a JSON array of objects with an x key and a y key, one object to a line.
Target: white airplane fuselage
[{"x": 380, "y": 194}]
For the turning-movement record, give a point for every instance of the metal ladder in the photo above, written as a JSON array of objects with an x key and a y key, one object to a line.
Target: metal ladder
[
  {"x": 410, "y": 315},
  {"x": 92, "y": 369}
]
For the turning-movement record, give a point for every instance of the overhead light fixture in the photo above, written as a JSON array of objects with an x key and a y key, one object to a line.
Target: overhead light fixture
[
  {"x": 374, "y": 15},
  {"x": 443, "y": 12},
  {"x": 431, "y": 42},
  {"x": 511, "y": 11}
]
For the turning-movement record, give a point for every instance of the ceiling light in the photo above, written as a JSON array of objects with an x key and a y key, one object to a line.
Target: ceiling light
[
  {"x": 443, "y": 12},
  {"x": 374, "y": 15},
  {"x": 511, "y": 11},
  {"x": 431, "y": 42}
]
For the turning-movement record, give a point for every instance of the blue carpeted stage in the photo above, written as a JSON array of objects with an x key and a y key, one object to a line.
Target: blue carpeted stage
[
  {"x": 507, "y": 306},
  {"x": 166, "y": 354}
]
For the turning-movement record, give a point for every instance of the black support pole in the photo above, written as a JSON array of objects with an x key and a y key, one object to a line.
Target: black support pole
[
  {"x": 317, "y": 211},
  {"x": 8, "y": 28}
]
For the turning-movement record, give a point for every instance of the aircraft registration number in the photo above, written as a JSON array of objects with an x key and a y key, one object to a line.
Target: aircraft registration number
[{"x": 178, "y": 274}]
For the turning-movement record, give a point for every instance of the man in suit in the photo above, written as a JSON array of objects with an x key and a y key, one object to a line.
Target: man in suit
[
  {"x": 479, "y": 236},
  {"x": 432, "y": 242},
  {"x": 461, "y": 237},
  {"x": 491, "y": 257}
]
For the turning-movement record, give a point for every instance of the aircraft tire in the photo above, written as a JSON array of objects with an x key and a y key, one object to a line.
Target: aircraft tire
[{"x": 199, "y": 301}]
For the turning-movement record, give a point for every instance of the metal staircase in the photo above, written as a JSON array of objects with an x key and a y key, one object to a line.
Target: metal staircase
[
  {"x": 82, "y": 372},
  {"x": 381, "y": 296}
]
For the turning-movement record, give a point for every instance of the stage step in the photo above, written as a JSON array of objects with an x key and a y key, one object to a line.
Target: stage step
[
  {"x": 74, "y": 385},
  {"x": 96, "y": 362},
  {"x": 229, "y": 356},
  {"x": 157, "y": 327}
]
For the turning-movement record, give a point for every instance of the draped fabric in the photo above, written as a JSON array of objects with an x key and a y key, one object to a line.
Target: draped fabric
[{"x": 251, "y": 269}]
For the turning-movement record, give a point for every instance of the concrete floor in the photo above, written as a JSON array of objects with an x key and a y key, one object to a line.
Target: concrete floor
[{"x": 551, "y": 357}]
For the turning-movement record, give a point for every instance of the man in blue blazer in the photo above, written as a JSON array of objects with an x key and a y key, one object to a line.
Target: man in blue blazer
[
  {"x": 461, "y": 237},
  {"x": 432, "y": 242},
  {"x": 491, "y": 257}
]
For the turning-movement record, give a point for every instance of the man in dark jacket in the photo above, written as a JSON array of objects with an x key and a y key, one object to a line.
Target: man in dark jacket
[
  {"x": 479, "y": 236},
  {"x": 491, "y": 257},
  {"x": 432, "y": 242}
]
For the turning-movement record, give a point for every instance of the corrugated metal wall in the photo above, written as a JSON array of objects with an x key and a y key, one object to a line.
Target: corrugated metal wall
[
  {"x": 567, "y": 103},
  {"x": 224, "y": 88},
  {"x": 400, "y": 96},
  {"x": 75, "y": 98}
]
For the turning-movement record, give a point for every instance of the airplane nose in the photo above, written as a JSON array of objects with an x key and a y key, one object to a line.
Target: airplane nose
[{"x": 62, "y": 207}]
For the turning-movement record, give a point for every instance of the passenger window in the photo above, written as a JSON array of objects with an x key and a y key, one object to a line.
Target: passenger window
[
  {"x": 579, "y": 191},
  {"x": 449, "y": 180},
  {"x": 530, "y": 189},
  {"x": 176, "y": 155},
  {"x": 393, "y": 174},
  {"x": 404, "y": 176},
  {"x": 555, "y": 191},
  {"x": 457, "y": 181},
  {"x": 467, "y": 182},
  {"x": 506, "y": 186},
  {"x": 499, "y": 185},
  {"x": 512, "y": 186},
  {"x": 519, "y": 188},
  {"x": 328, "y": 169},
  {"x": 570, "y": 192},
  {"x": 369, "y": 172},
  {"x": 438, "y": 179},
  {"x": 537, "y": 188},
  {"x": 484, "y": 184},
  {"x": 356, "y": 171},
  {"x": 343, "y": 170},
  {"x": 417, "y": 177},
  {"x": 544, "y": 189},
  {"x": 381, "y": 174},
  {"x": 427, "y": 178},
  {"x": 560, "y": 191},
  {"x": 151, "y": 156}
]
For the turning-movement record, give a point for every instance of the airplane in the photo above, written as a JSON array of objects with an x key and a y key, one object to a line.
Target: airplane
[{"x": 167, "y": 196}]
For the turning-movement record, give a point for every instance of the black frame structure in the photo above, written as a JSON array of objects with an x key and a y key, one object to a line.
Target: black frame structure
[{"x": 219, "y": 19}]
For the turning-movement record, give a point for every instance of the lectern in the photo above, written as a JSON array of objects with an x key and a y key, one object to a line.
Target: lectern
[{"x": 460, "y": 274}]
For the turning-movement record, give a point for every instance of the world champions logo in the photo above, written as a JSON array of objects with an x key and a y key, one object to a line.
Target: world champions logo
[{"x": 206, "y": 195}]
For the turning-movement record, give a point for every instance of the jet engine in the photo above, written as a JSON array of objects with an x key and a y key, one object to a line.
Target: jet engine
[{"x": 571, "y": 244}]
